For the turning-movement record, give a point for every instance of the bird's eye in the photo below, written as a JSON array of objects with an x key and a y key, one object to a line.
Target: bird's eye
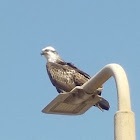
[{"x": 52, "y": 51}]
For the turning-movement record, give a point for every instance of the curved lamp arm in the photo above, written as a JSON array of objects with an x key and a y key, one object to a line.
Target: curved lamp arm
[
  {"x": 124, "y": 120},
  {"x": 120, "y": 77}
]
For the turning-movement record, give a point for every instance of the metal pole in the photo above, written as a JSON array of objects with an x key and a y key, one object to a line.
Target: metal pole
[{"x": 124, "y": 119}]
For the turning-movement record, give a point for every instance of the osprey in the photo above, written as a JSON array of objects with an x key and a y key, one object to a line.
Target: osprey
[{"x": 65, "y": 76}]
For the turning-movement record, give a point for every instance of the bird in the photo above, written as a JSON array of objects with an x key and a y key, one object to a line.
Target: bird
[{"x": 65, "y": 76}]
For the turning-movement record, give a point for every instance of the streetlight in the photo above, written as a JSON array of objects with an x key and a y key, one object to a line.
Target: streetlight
[{"x": 80, "y": 99}]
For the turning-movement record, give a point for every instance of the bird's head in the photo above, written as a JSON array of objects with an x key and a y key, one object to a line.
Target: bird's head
[{"x": 50, "y": 54}]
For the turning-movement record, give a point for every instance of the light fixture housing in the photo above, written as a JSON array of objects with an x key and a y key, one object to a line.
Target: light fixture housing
[{"x": 75, "y": 102}]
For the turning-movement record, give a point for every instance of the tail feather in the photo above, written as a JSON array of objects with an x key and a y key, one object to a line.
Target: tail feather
[{"x": 103, "y": 104}]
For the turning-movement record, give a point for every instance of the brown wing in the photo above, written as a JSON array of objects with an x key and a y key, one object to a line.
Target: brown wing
[
  {"x": 79, "y": 71},
  {"x": 65, "y": 76}
]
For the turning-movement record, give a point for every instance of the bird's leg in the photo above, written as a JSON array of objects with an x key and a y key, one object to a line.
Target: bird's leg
[{"x": 97, "y": 105}]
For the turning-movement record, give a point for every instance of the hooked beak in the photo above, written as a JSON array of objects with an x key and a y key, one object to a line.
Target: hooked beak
[{"x": 42, "y": 53}]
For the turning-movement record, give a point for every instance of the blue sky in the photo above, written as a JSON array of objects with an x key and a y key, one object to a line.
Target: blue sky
[{"x": 89, "y": 34}]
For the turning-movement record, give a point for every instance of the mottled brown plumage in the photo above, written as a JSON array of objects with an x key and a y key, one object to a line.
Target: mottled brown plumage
[{"x": 65, "y": 76}]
